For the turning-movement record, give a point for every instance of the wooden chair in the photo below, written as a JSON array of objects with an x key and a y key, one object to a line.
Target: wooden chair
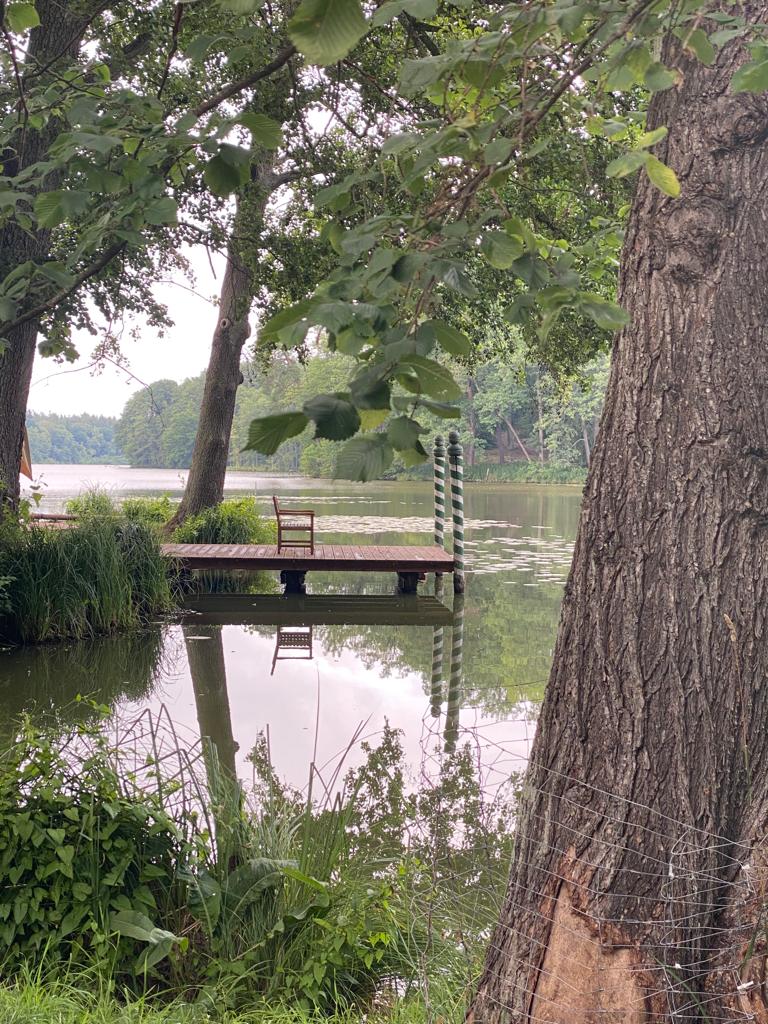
[
  {"x": 292, "y": 638},
  {"x": 291, "y": 521}
]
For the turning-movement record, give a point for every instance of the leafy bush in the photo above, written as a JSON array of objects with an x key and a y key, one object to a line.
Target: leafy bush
[
  {"x": 149, "y": 511},
  {"x": 93, "y": 503},
  {"x": 101, "y": 575},
  {"x": 82, "y": 865},
  {"x": 234, "y": 521}
]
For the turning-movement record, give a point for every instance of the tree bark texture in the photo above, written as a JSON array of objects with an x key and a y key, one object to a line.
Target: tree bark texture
[
  {"x": 56, "y": 41},
  {"x": 205, "y": 483},
  {"x": 638, "y": 889}
]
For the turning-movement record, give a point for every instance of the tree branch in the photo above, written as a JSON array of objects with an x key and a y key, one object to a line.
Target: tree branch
[
  {"x": 237, "y": 87},
  {"x": 85, "y": 274}
]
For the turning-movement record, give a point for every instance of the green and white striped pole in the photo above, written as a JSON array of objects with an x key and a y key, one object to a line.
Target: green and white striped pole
[
  {"x": 439, "y": 503},
  {"x": 436, "y": 689},
  {"x": 456, "y": 460},
  {"x": 457, "y": 673}
]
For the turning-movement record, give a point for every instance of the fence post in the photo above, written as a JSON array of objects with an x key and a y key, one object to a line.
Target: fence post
[
  {"x": 456, "y": 678},
  {"x": 439, "y": 493},
  {"x": 456, "y": 460}
]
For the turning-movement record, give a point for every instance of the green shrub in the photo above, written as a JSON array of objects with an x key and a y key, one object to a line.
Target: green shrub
[
  {"x": 93, "y": 503},
  {"x": 234, "y": 521},
  {"x": 82, "y": 866},
  {"x": 150, "y": 511},
  {"x": 101, "y": 575}
]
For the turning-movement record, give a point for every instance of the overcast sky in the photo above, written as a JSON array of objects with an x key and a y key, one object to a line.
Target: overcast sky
[{"x": 182, "y": 353}]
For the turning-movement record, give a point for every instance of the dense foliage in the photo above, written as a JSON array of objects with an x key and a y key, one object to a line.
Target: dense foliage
[
  {"x": 183, "y": 886},
  {"x": 72, "y": 439}
]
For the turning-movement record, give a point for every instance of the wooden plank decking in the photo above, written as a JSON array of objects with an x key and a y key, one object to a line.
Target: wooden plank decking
[{"x": 326, "y": 557}]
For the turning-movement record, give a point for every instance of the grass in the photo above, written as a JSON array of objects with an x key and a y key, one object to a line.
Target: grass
[
  {"x": 34, "y": 999},
  {"x": 104, "y": 575}
]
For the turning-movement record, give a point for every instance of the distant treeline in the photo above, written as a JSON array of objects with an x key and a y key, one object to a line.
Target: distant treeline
[
  {"x": 517, "y": 422},
  {"x": 72, "y": 439}
]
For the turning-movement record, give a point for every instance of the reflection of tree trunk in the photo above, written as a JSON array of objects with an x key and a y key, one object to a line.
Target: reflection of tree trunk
[
  {"x": 540, "y": 423},
  {"x": 517, "y": 438},
  {"x": 585, "y": 436},
  {"x": 209, "y": 682},
  {"x": 638, "y": 888}
]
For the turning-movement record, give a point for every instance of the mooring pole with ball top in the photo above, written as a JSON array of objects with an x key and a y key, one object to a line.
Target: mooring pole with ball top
[{"x": 456, "y": 461}]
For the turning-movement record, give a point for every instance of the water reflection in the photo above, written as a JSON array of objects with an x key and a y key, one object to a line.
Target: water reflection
[{"x": 375, "y": 657}]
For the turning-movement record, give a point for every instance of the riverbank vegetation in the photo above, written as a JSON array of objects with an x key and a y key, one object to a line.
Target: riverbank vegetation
[
  {"x": 517, "y": 422},
  {"x": 144, "y": 868},
  {"x": 106, "y": 572}
]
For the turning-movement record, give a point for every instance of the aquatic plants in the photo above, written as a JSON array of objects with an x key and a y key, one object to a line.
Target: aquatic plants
[{"x": 103, "y": 575}]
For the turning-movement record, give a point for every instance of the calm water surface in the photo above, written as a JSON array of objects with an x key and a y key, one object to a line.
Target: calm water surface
[{"x": 233, "y": 682}]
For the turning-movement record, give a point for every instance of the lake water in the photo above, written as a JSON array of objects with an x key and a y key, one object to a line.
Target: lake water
[{"x": 236, "y": 681}]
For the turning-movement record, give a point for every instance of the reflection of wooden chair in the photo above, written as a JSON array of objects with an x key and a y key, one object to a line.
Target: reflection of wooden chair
[
  {"x": 294, "y": 520},
  {"x": 292, "y": 638}
]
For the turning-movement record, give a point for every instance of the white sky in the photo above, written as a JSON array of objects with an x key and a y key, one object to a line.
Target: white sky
[{"x": 182, "y": 353}]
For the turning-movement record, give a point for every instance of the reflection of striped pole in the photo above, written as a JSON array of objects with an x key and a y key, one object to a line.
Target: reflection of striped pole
[
  {"x": 456, "y": 458},
  {"x": 454, "y": 685},
  {"x": 436, "y": 692}
]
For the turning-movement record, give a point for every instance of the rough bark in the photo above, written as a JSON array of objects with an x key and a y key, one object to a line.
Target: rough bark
[
  {"x": 585, "y": 439},
  {"x": 638, "y": 886},
  {"x": 209, "y": 682},
  {"x": 56, "y": 42},
  {"x": 205, "y": 483}
]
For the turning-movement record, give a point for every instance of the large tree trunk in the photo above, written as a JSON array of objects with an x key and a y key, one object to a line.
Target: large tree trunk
[
  {"x": 205, "y": 484},
  {"x": 640, "y": 869},
  {"x": 56, "y": 42}
]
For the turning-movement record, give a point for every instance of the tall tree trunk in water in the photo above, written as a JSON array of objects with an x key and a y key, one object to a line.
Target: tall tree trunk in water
[
  {"x": 56, "y": 41},
  {"x": 205, "y": 484},
  {"x": 640, "y": 870}
]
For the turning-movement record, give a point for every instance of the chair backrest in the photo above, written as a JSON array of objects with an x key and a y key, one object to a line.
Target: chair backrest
[{"x": 276, "y": 503}]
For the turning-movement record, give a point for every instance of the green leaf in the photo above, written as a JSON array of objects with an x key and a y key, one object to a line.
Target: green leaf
[
  {"x": 272, "y": 331},
  {"x": 648, "y": 139},
  {"x": 326, "y": 30},
  {"x": 453, "y": 341},
  {"x": 48, "y": 210},
  {"x": 500, "y": 249},
  {"x": 240, "y": 6},
  {"x": 658, "y": 77},
  {"x": 751, "y": 77},
  {"x": 372, "y": 418},
  {"x": 96, "y": 142},
  {"x": 626, "y": 164},
  {"x": 606, "y": 314},
  {"x": 267, "y": 433},
  {"x": 264, "y": 131},
  {"x": 334, "y": 416},
  {"x": 442, "y": 409},
  {"x": 21, "y": 17},
  {"x": 663, "y": 177},
  {"x": 221, "y": 176},
  {"x": 133, "y": 925},
  {"x": 435, "y": 380},
  {"x": 161, "y": 211},
  {"x": 364, "y": 458},
  {"x": 403, "y": 433},
  {"x": 698, "y": 42},
  {"x": 420, "y": 9}
]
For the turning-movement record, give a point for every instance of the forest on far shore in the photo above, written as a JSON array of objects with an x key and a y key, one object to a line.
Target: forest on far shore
[{"x": 515, "y": 417}]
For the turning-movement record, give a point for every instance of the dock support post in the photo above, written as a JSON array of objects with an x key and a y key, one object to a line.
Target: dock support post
[
  {"x": 407, "y": 583},
  {"x": 294, "y": 581},
  {"x": 455, "y": 682},
  {"x": 456, "y": 460},
  {"x": 439, "y": 496}
]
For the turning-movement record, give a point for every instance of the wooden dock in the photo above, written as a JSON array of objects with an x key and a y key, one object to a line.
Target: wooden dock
[{"x": 293, "y": 563}]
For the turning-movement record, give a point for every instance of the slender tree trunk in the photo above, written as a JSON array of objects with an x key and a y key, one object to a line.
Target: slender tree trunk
[
  {"x": 470, "y": 453},
  {"x": 585, "y": 438},
  {"x": 57, "y": 40},
  {"x": 638, "y": 889},
  {"x": 518, "y": 439},
  {"x": 501, "y": 443},
  {"x": 539, "y": 424},
  {"x": 205, "y": 483}
]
